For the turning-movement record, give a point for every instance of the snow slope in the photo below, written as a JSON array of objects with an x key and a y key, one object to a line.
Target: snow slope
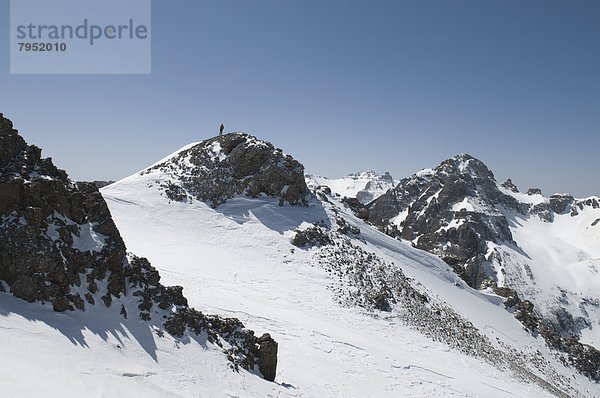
[
  {"x": 97, "y": 353},
  {"x": 558, "y": 266},
  {"x": 237, "y": 260}
]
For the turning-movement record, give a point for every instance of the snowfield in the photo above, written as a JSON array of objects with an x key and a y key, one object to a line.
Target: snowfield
[
  {"x": 237, "y": 260},
  {"x": 433, "y": 336},
  {"x": 560, "y": 260}
]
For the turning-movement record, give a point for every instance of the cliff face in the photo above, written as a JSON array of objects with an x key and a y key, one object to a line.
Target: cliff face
[
  {"x": 450, "y": 211},
  {"x": 55, "y": 234},
  {"x": 59, "y": 244}
]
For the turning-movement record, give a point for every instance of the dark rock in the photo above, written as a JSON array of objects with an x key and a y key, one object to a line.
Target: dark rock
[
  {"x": 145, "y": 316},
  {"x": 77, "y": 302},
  {"x": 233, "y": 164},
  {"x": 430, "y": 201},
  {"x": 593, "y": 202},
  {"x": 92, "y": 287},
  {"x": 102, "y": 184},
  {"x": 45, "y": 212},
  {"x": 267, "y": 356},
  {"x": 312, "y": 236},
  {"x": 534, "y": 191},
  {"x": 345, "y": 228},
  {"x": 107, "y": 299},
  {"x": 543, "y": 211},
  {"x": 380, "y": 300},
  {"x": 360, "y": 210},
  {"x": 559, "y": 203},
  {"x": 524, "y": 313},
  {"x": 583, "y": 357},
  {"x": 60, "y": 304},
  {"x": 508, "y": 184}
]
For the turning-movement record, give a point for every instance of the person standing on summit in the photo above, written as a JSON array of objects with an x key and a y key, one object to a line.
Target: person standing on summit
[{"x": 221, "y": 128}]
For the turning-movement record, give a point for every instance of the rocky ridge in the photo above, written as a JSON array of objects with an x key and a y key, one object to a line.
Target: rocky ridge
[
  {"x": 222, "y": 167},
  {"x": 361, "y": 278},
  {"x": 59, "y": 245},
  {"x": 451, "y": 212},
  {"x": 459, "y": 212}
]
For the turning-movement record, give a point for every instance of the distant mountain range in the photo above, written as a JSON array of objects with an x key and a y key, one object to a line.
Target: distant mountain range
[{"x": 364, "y": 186}]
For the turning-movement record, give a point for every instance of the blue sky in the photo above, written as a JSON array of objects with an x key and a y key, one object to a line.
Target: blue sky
[{"x": 340, "y": 85}]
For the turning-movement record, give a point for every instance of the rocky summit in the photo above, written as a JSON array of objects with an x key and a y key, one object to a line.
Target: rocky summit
[
  {"x": 222, "y": 167},
  {"x": 524, "y": 247},
  {"x": 458, "y": 211},
  {"x": 450, "y": 211},
  {"x": 59, "y": 245}
]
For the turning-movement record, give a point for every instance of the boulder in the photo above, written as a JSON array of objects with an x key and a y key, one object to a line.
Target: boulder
[{"x": 267, "y": 356}]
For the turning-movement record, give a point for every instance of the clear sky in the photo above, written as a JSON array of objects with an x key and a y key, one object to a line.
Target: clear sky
[{"x": 342, "y": 86}]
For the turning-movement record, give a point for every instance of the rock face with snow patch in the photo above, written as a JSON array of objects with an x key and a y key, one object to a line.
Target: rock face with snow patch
[
  {"x": 449, "y": 211},
  {"x": 59, "y": 244},
  {"x": 233, "y": 164},
  {"x": 492, "y": 236},
  {"x": 54, "y": 232}
]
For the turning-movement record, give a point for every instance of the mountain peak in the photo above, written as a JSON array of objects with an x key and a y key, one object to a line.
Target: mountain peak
[
  {"x": 60, "y": 245},
  {"x": 222, "y": 167},
  {"x": 464, "y": 164}
]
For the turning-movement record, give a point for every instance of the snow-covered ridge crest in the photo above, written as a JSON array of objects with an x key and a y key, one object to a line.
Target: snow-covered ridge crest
[
  {"x": 340, "y": 294},
  {"x": 61, "y": 250},
  {"x": 222, "y": 167}
]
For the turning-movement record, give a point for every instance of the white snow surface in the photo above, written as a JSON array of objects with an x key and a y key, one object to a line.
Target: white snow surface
[
  {"x": 558, "y": 266},
  {"x": 237, "y": 260},
  {"x": 88, "y": 239},
  {"x": 97, "y": 353}
]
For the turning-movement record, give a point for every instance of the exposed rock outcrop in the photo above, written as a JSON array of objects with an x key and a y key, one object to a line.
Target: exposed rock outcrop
[
  {"x": 441, "y": 212},
  {"x": 459, "y": 212},
  {"x": 222, "y": 167},
  {"x": 55, "y": 234},
  {"x": 267, "y": 356},
  {"x": 508, "y": 184},
  {"x": 59, "y": 244}
]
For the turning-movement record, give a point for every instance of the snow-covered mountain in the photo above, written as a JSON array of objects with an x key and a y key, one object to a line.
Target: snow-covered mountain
[
  {"x": 355, "y": 311},
  {"x": 542, "y": 253},
  {"x": 364, "y": 186},
  {"x": 80, "y": 315}
]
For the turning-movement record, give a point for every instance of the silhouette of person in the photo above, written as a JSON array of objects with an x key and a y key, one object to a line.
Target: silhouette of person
[{"x": 221, "y": 128}]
